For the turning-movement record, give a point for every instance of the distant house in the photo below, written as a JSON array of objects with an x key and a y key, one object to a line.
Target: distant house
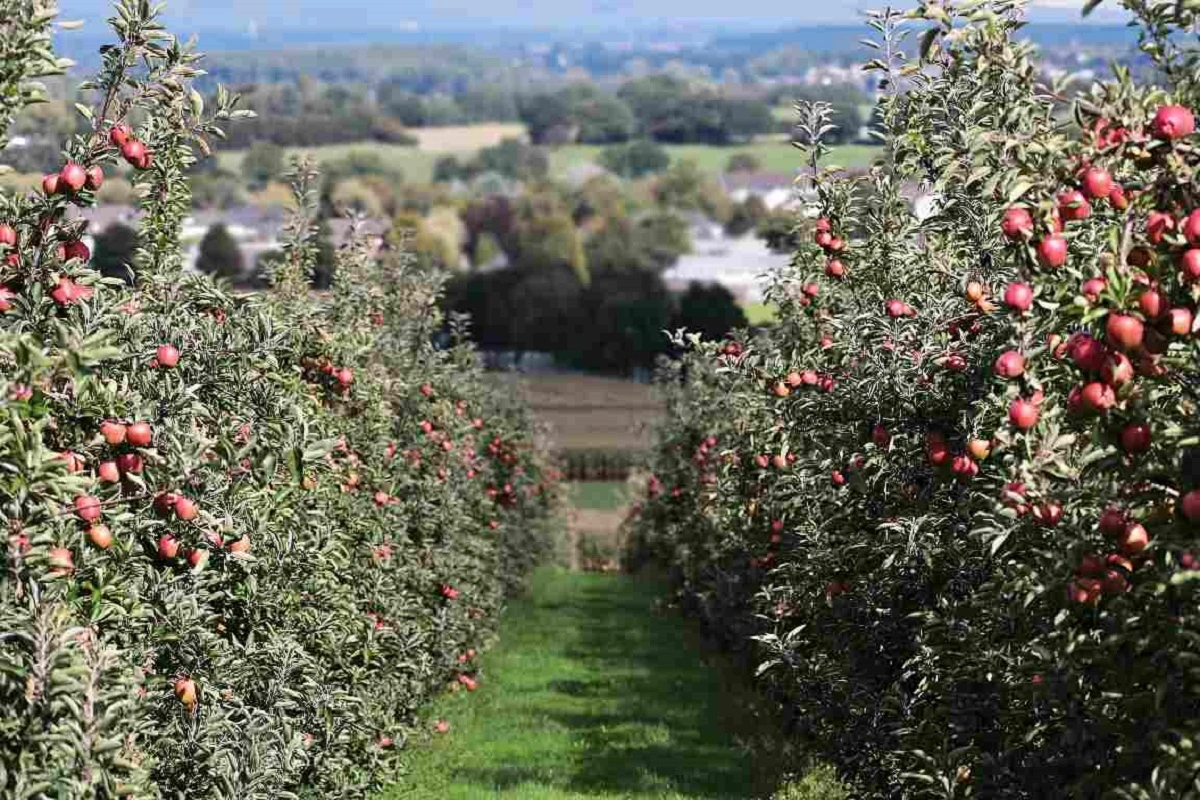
[
  {"x": 776, "y": 190},
  {"x": 739, "y": 264}
]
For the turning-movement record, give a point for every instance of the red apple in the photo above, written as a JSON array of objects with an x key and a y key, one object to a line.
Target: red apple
[
  {"x": 1023, "y": 414},
  {"x": 1097, "y": 183},
  {"x": 139, "y": 434},
  {"x": 1189, "y": 262},
  {"x": 1124, "y": 331},
  {"x": 1191, "y": 505},
  {"x": 1134, "y": 539},
  {"x": 1073, "y": 206},
  {"x": 1151, "y": 301},
  {"x": 168, "y": 547},
  {"x": 1018, "y": 296},
  {"x": 1052, "y": 251},
  {"x": 1135, "y": 438},
  {"x": 1017, "y": 223},
  {"x": 1010, "y": 364},
  {"x": 72, "y": 177},
  {"x": 109, "y": 472},
  {"x": 1179, "y": 321},
  {"x": 1098, "y": 397},
  {"x": 166, "y": 355},
  {"x": 1173, "y": 122}
]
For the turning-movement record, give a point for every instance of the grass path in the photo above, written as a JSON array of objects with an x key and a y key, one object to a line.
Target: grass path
[{"x": 591, "y": 693}]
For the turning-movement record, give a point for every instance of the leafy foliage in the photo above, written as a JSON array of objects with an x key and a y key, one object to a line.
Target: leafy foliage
[
  {"x": 246, "y": 536},
  {"x": 950, "y": 501}
]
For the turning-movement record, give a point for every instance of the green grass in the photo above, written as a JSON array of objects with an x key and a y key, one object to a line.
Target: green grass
[
  {"x": 760, "y": 313},
  {"x": 593, "y": 694},
  {"x": 415, "y": 164},
  {"x": 600, "y": 495},
  {"x": 776, "y": 155}
]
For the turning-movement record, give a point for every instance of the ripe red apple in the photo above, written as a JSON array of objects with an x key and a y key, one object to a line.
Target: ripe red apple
[
  {"x": 1191, "y": 505},
  {"x": 1087, "y": 353},
  {"x": 1124, "y": 331},
  {"x": 1158, "y": 225},
  {"x": 835, "y": 268},
  {"x": 100, "y": 536},
  {"x": 1085, "y": 591},
  {"x": 134, "y": 152},
  {"x": 1096, "y": 183},
  {"x": 139, "y": 434},
  {"x": 72, "y": 177},
  {"x": 1135, "y": 438},
  {"x": 87, "y": 508},
  {"x": 1048, "y": 514},
  {"x": 118, "y": 134},
  {"x": 95, "y": 178},
  {"x": 1112, "y": 521},
  {"x": 1073, "y": 206},
  {"x": 1189, "y": 262},
  {"x": 1018, "y": 296},
  {"x": 1093, "y": 287},
  {"x": 1010, "y": 364},
  {"x": 1191, "y": 228},
  {"x": 979, "y": 449},
  {"x": 1023, "y": 414},
  {"x": 1114, "y": 583},
  {"x": 837, "y": 478},
  {"x": 168, "y": 547},
  {"x": 50, "y": 184},
  {"x": 130, "y": 463},
  {"x": 73, "y": 461},
  {"x": 241, "y": 545},
  {"x": 1119, "y": 561},
  {"x": 76, "y": 249},
  {"x": 1117, "y": 198},
  {"x": 1179, "y": 321},
  {"x": 1152, "y": 303},
  {"x": 166, "y": 355},
  {"x": 6, "y": 297},
  {"x": 1017, "y": 223},
  {"x": 1091, "y": 564},
  {"x": 1097, "y": 397},
  {"x": 198, "y": 559},
  {"x": 898, "y": 308},
  {"x": 1134, "y": 539},
  {"x": 8, "y": 235},
  {"x": 1173, "y": 122},
  {"x": 823, "y": 238},
  {"x": 185, "y": 692},
  {"x": 345, "y": 376},
  {"x": 1052, "y": 251},
  {"x": 185, "y": 508},
  {"x": 936, "y": 448},
  {"x": 779, "y": 461},
  {"x": 109, "y": 472}
]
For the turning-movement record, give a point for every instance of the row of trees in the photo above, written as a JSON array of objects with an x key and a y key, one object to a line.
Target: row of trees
[
  {"x": 950, "y": 504},
  {"x": 247, "y": 537}
]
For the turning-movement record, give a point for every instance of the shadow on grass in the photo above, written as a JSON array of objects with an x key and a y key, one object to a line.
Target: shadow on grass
[{"x": 646, "y": 711}]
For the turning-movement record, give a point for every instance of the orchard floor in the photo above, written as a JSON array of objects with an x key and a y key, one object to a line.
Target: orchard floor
[{"x": 592, "y": 692}]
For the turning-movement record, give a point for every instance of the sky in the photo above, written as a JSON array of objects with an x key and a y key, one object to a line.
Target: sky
[{"x": 242, "y": 15}]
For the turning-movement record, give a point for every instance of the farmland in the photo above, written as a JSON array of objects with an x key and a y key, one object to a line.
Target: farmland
[
  {"x": 590, "y": 411},
  {"x": 416, "y": 162}
]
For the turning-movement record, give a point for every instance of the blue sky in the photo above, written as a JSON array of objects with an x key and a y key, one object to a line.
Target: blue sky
[{"x": 362, "y": 14}]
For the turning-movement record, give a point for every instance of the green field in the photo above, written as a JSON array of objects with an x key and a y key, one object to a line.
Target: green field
[
  {"x": 593, "y": 693},
  {"x": 776, "y": 155},
  {"x": 761, "y": 313},
  {"x": 599, "y": 495}
]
